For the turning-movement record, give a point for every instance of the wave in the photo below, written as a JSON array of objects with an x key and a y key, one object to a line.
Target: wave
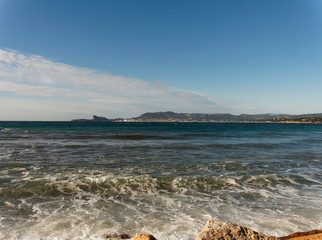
[
  {"x": 108, "y": 136},
  {"x": 245, "y": 145},
  {"x": 126, "y": 186},
  {"x": 163, "y": 205},
  {"x": 8, "y": 137}
]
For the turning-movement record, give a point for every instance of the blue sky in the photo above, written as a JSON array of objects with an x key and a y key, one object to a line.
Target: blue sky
[{"x": 71, "y": 59}]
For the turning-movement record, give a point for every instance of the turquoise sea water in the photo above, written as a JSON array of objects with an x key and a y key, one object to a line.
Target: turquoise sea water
[{"x": 63, "y": 180}]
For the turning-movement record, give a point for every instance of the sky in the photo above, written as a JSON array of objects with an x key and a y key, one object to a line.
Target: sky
[{"x": 63, "y": 60}]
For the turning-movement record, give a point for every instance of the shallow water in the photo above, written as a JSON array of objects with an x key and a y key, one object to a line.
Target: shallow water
[{"x": 62, "y": 180}]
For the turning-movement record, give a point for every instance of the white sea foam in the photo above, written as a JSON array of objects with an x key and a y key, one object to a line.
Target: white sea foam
[
  {"x": 231, "y": 181},
  {"x": 138, "y": 204},
  {"x": 135, "y": 205}
]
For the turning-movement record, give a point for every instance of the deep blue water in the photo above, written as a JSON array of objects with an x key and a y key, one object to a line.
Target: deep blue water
[{"x": 66, "y": 180}]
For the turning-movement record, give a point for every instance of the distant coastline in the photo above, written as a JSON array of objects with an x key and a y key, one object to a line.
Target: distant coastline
[{"x": 212, "y": 118}]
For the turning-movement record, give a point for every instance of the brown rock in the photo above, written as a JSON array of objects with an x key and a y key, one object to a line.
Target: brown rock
[
  {"x": 218, "y": 230},
  {"x": 309, "y": 237},
  {"x": 314, "y": 234},
  {"x": 144, "y": 237},
  {"x": 115, "y": 236}
]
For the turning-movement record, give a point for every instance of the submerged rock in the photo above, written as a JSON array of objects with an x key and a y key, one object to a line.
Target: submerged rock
[
  {"x": 218, "y": 230},
  {"x": 116, "y": 236},
  {"x": 144, "y": 237}
]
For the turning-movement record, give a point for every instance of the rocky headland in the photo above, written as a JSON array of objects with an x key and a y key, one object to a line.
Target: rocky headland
[
  {"x": 216, "y": 229},
  {"x": 217, "y": 118}
]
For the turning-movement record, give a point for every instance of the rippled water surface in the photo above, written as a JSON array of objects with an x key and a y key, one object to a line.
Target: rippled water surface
[{"x": 63, "y": 180}]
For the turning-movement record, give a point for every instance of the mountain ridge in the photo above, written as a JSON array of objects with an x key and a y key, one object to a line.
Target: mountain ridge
[{"x": 170, "y": 116}]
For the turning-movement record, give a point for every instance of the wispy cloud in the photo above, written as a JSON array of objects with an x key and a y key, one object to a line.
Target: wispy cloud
[{"x": 32, "y": 82}]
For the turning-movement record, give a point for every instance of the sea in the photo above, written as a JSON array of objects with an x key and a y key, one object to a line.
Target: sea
[{"x": 74, "y": 180}]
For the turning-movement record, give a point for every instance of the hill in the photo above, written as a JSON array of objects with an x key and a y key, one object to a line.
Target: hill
[
  {"x": 217, "y": 117},
  {"x": 199, "y": 117}
]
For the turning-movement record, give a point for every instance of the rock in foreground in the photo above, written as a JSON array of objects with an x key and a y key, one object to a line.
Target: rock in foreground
[
  {"x": 144, "y": 237},
  {"x": 310, "y": 235},
  {"x": 116, "y": 236},
  {"x": 218, "y": 230}
]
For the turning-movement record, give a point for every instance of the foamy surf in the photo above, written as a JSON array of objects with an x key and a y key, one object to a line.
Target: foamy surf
[{"x": 88, "y": 206}]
